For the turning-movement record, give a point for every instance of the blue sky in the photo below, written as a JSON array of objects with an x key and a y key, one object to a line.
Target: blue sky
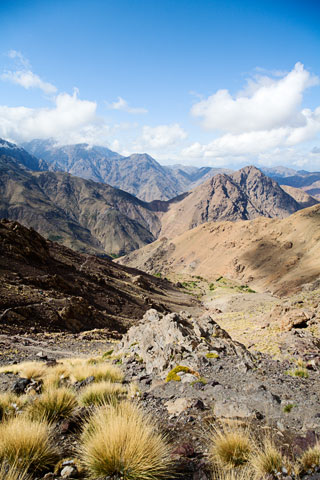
[{"x": 194, "y": 82}]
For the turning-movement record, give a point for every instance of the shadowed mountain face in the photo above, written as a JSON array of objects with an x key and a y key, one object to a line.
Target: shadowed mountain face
[
  {"x": 275, "y": 254},
  {"x": 82, "y": 214},
  {"x": 22, "y": 156},
  {"x": 242, "y": 195},
  {"x": 47, "y": 286}
]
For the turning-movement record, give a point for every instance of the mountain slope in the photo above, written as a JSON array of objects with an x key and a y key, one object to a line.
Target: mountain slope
[
  {"x": 47, "y": 286},
  {"x": 242, "y": 195},
  {"x": 303, "y": 198},
  {"x": 79, "y": 213},
  {"x": 22, "y": 156},
  {"x": 307, "y": 181},
  {"x": 138, "y": 174},
  {"x": 275, "y": 254}
]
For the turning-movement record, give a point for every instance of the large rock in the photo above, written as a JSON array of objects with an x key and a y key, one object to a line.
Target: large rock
[{"x": 166, "y": 341}]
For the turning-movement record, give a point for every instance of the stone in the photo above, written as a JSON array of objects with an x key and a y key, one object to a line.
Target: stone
[
  {"x": 176, "y": 407},
  {"x": 20, "y": 385},
  {"x": 69, "y": 471}
]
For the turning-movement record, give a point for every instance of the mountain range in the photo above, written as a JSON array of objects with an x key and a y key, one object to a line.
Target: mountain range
[{"x": 95, "y": 217}]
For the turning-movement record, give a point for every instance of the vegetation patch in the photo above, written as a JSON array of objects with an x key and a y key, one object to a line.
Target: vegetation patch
[
  {"x": 173, "y": 374},
  {"x": 230, "y": 447},
  {"x": 28, "y": 443},
  {"x": 102, "y": 393},
  {"x": 54, "y": 404},
  {"x": 122, "y": 442},
  {"x": 212, "y": 355}
]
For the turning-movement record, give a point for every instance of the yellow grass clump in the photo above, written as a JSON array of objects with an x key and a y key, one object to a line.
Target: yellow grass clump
[
  {"x": 56, "y": 376},
  {"x": 230, "y": 446},
  {"x": 102, "y": 393},
  {"x": 122, "y": 440},
  {"x": 267, "y": 459},
  {"x": 13, "y": 472},
  {"x": 35, "y": 370},
  {"x": 234, "y": 474},
  {"x": 27, "y": 443},
  {"x": 80, "y": 369},
  {"x": 53, "y": 404},
  {"x": 310, "y": 458}
]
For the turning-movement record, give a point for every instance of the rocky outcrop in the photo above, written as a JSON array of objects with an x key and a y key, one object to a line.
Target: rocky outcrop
[
  {"x": 242, "y": 195},
  {"x": 164, "y": 342}
]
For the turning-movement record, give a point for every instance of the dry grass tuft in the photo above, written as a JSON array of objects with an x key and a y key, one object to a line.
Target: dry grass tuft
[
  {"x": 53, "y": 404},
  {"x": 102, "y": 393},
  {"x": 13, "y": 472},
  {"x": 27, "y": 443},
  {"x": 35, "y": 370},
  {"x": 79, "y": 369},
  {"x": 310, "y": 458},
  {"x": 230, "y": 446},
  {"x": 55, "y": 377},
  {"x": 239, "y": 473},
  {"x": 267, "y": 459},
  {"x": 122, "y": 440}
]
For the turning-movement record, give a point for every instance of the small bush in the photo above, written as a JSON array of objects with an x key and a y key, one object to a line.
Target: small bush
[
  {"x": 27, "y": 443},
  {"x": 230, "y": 447},
  {"x": 310, "y": 458},
  {"x": 267, "y": 460},
  {"x": 123, "y": 441},
  {"x": 102, "y": 393},
  {"x": 287, "y": 408},
  {"x": 53, "y": 405}
]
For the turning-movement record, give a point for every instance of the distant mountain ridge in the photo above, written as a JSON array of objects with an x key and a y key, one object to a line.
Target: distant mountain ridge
[
  {"x": 81, "y": 214},
  {"x": 139, "y": 174},
  {"x": 95, "y": 217}
]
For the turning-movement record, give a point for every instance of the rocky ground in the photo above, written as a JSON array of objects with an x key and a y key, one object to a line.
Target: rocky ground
[{"x": 221, "y": 380}]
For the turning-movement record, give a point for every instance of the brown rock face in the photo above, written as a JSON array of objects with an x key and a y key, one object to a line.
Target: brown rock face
[
  {"x": 48, "y": 286},
  {"x": 243, "y": 195}
]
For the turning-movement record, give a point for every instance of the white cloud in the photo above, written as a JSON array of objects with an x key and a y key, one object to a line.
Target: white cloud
[
  {"x": 269, "y": 103},
  {"x": 161, "y": 136},
  {"x": 70, "y": 120},
  {"x": 28, "y": 79},
  {"x": 24, "y": 76},
  {"x": 122, "y": 104},
  {"x": 264, "y": 119}
]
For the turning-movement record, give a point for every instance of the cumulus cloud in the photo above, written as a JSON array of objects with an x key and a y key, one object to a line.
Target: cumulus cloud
[
  {"x": 70, "y": 120},
  {"x": 162, "y": 135},
  {"x": 266, "y": 117},
  {"x": 24, "y": 76},
  {"x": 122, "y": 104},
  {"x": 272, "y": 103}
]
